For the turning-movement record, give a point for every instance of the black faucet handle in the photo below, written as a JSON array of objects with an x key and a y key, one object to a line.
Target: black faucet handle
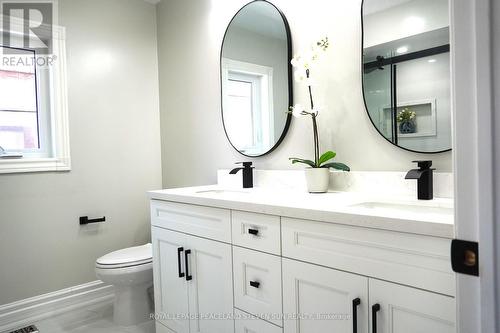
[
  {"x": 245, "y": 164},
  {"x": 423, "y": 165}
]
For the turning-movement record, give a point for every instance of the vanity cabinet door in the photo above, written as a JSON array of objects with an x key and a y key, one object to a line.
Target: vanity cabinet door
[
  {"x": 318, "y": 299},
  {"x": 210, "y": 286},
  {"x": 171, "y": 290},
  {"x": 409, "y": 310}
]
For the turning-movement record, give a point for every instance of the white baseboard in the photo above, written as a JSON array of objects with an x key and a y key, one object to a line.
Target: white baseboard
[{"x": 30, "y": 310}]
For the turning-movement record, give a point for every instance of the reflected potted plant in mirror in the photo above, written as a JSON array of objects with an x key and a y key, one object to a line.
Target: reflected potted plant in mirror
[
  {"x": 318, "y": 171},
  {"x": 407, "y": 121}
]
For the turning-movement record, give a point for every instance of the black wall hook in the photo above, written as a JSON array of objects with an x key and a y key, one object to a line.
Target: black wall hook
[{"x": 85, "y": 220}]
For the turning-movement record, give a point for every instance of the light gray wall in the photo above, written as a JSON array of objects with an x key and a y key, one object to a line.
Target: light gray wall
[
  {"x": 194, "y": 145},
  {"x": 115, "y": 150}
]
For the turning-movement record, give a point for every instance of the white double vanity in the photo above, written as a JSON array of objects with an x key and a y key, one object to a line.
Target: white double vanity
[{"x": 281, "y": 260}]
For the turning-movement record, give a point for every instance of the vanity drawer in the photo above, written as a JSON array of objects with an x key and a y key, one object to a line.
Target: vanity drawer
[
  {"x": 208, "y": 222},
  {"x": 247, "y": 323},
  {"x": 257, "y": 231},
  {"x": 257, "y": 283},
  {"x": 414, "y": 260}
]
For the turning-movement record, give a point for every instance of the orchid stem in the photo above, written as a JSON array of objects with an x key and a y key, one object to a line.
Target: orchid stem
[
  {"x": 310, "y": 91},
  {"x": 315, "y": 125},
  {"x": 316, "y": 140}
]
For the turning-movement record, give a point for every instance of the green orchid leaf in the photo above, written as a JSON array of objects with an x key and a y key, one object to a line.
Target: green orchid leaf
[
  {"x": 326, "y": 157},
  {"x": 303, "y": 161},
  {"x": 337, "y": 166}
]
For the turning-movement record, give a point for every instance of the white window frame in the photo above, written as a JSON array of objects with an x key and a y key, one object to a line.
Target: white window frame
[
  {"x": 58, "y": 146},
  {"x": 266, "y": 93}
]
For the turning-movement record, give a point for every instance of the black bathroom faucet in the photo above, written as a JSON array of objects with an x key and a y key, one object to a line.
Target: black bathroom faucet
[
  {"x": 247, "y": 174},
  {"x": 424, "y": 176}
]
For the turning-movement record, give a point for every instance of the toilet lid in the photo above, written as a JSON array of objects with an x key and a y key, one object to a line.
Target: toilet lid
[{"x": 136, "y": 255}]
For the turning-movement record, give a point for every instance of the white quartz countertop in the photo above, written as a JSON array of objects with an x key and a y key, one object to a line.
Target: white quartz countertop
[{"x": 402, "y": 214}]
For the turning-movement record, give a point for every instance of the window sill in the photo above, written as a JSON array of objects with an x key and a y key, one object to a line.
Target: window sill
[{"x": 24, "y": 165}]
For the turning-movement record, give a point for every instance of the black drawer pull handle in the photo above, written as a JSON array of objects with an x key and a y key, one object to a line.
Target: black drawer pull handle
[
  {"x": 355, "y": 303},
  {"x": 375, "y": 309},
  {"x": 179, "y": 253},
  {"x": 186, "y": 261},
  {"x": 254, "y": 232},
  {"x": 85, "y": 220},
  {"x": 255, "y": 284}
]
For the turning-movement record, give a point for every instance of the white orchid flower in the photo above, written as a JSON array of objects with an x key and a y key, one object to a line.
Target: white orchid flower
[{"x": 297, "y": 110}]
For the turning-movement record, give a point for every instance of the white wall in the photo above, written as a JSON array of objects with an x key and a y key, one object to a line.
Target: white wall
[
  {"x": 115, "y": 146},
  {"x": 194, "y": 145}
]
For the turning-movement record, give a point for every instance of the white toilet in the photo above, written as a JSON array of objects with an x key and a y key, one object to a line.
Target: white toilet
[{"x": 130, "y": 271}]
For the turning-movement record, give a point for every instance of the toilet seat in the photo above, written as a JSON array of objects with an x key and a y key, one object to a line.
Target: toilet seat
[{"x": 129, "y": 257}]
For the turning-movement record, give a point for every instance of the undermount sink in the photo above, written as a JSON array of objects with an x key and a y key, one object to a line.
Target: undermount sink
[
  {"x": 219, "y": 191},
  {"x": 424, "y": 208}
]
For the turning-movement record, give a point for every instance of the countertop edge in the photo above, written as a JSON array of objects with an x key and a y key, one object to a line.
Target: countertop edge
[{"x": 425, "y": 228}]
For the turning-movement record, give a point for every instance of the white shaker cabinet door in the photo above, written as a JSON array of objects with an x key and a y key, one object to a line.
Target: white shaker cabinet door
[
  {"x": 171, "y": 289},
  {"x": 408, "y": 310},
  {"x": 210, "y": 286},
  {"x": 323, "y": 299}
]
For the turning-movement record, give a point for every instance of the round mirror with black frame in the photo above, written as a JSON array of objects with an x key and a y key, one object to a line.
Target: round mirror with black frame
[
  {"x": 406, "y": 72},
  {"x": 256, "y": 79}
]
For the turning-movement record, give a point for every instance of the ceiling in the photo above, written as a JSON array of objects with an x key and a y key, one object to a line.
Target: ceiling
[{"x": 374, "y": 6}]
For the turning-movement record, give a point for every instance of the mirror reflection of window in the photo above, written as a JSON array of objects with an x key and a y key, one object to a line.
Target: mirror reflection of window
[
  {"x": 240, "y": 105},
  {"x": 248, "y": 115}
]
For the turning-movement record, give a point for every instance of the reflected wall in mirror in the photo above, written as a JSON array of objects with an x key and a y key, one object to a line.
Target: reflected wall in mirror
[
  {"x": 256, "y": 79},
  {"x": 406, "y": 72}
]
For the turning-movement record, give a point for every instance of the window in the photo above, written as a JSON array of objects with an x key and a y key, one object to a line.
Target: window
[
  {"x": 19, "y": 124},
  {"x": 33, "y": 107}
]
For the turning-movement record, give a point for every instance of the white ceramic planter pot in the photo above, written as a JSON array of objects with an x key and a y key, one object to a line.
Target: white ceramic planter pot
[{"x": 317, "y": 179}]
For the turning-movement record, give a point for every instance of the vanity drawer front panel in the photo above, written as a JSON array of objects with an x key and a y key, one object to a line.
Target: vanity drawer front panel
[
  {"x": 415, "y": 260},
  {"x": 246, "y": 323},
  {"x": 257, "y": 231},
  {"x": 257, "y": 283},
  {"x": 208, "y": 222}
]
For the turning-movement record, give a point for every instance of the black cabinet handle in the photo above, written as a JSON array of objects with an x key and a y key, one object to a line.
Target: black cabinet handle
[
  {"x": 375, "y": 309},
  {"x": 255, "y": 284},
  {"x": 85, "y": 220},
  {"x": 254, "y": 232},
  {"x": 179, "y": 253},
  {"x": 186, "y": 261},
  {"x": 355, "y": 303}
]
